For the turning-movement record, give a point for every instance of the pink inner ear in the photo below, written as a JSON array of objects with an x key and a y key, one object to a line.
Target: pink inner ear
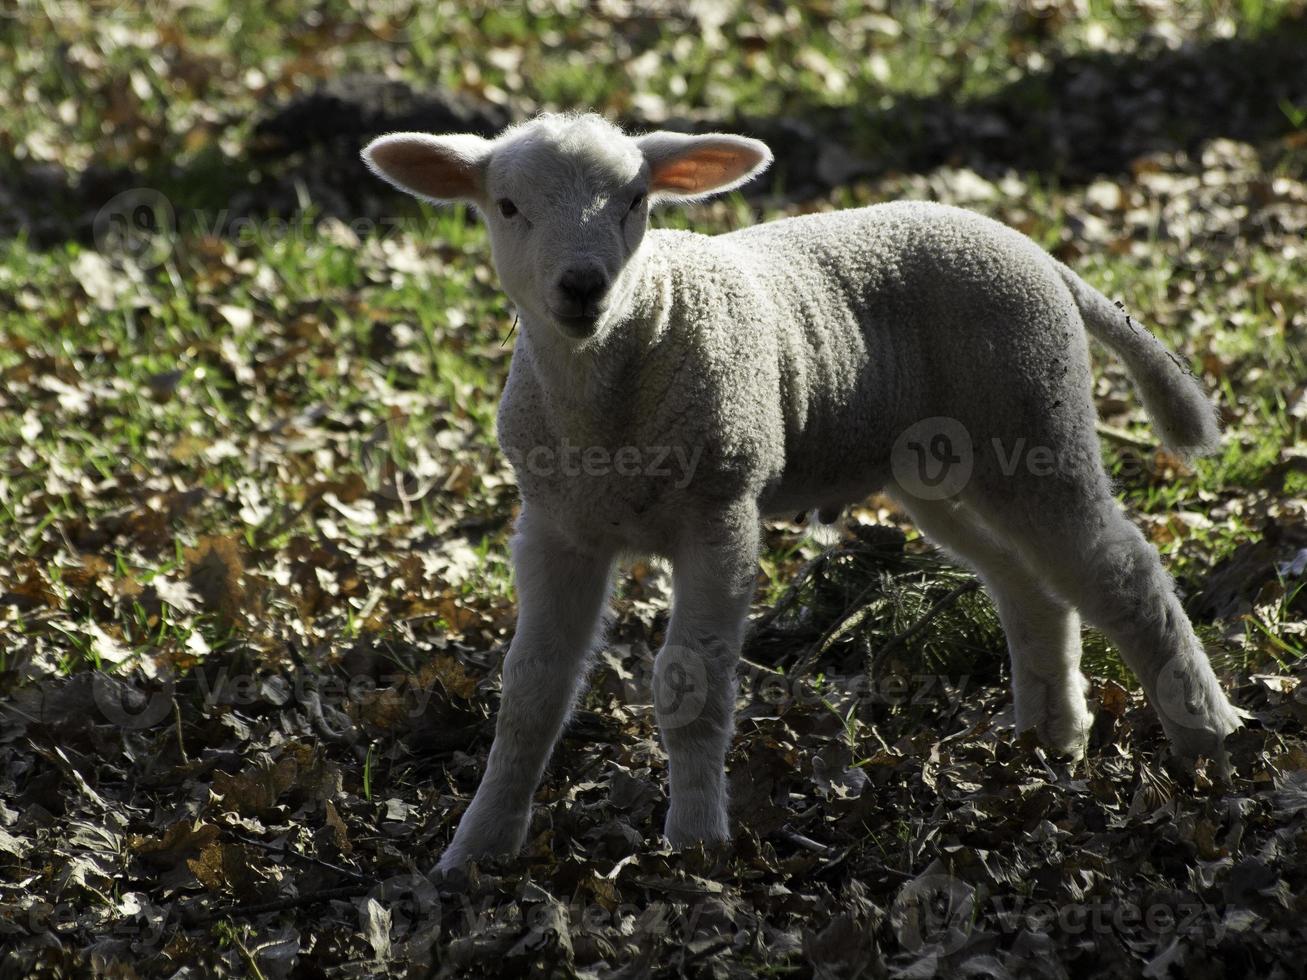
[
  {"x": 702, "y": 170},
  {"x": 426, "y": 169}
]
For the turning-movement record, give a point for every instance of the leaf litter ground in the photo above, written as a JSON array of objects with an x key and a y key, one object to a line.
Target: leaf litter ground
[{"x": 255, "y": 605}]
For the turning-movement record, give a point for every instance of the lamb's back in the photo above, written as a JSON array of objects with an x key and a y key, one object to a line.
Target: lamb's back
[{"x": 875, "y": 317}]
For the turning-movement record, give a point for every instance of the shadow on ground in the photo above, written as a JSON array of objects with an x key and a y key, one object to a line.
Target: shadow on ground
[{"x": 1086, "y": 116}]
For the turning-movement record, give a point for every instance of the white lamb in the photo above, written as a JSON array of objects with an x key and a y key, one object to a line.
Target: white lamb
[{"x": 668, "y": 390}]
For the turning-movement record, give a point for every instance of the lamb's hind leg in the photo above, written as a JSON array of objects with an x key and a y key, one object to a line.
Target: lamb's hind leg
[
  {"x": 1043, "y": 632},
  {"x": 1077, "y": 539}
]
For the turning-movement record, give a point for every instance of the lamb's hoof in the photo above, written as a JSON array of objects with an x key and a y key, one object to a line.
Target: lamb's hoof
[
  {"x": 685, "y": 828},
  {"x": 1066, "y": 733},
  {"x": 449, "y": 867},
  {"x": 474, "y": 843},
  {"x": 1062, "y": 723},
  {"x": 448, "y": 877},
  {"x": 1188, "y": 745},
  {"x": 1195, "y": 712}
]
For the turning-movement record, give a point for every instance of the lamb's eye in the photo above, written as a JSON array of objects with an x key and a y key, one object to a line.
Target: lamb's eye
[
  {"x": 637, "y": 200},
  {"x": 506, "y": 207}
]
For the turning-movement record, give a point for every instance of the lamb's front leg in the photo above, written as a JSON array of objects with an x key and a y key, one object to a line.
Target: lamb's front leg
[
  {"x": 561, "y": 594},
  {"x": 694, "y": 673}
]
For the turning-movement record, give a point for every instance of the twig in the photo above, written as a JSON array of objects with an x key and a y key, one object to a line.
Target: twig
[
  {"x": 1123, "y": 437},
  {"x": 281, "y": 905},
  {"x": 177, "y": 719},
  {"x": 761, "y": 668},
  {"x": 856, "y": 612},
  {"x": 878, "y": 736},
  {"x": 788, "y": 596},
  {"x": 815, "y": 651},
  {"x": 847, "y": 620},
  {"x": 510, "y": 330},
  {"x": 971, "y": 585},
  {"x": 807, "y": 843},
  {"x": 675, "y": 887},
  {"x": 718, "y": 947},
  {"x": 308, "y": 858},
  {"x": 250, "y": 961}
]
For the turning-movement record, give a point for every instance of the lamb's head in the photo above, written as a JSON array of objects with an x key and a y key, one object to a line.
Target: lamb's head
[{"x": 566, "y": 199}]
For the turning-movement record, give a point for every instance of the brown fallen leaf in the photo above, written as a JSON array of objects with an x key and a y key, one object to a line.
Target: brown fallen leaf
[
  {"x": 216, "y": 574},
  {"x": 182, "y": 838}
]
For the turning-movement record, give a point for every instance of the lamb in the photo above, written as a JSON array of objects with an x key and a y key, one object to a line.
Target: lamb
[{"x": 796, "y": 365}]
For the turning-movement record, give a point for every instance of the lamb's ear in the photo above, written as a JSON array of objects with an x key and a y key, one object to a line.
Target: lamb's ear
[
  {"x": 686, "y": 168},
  {"x": 435, "y": 168}
]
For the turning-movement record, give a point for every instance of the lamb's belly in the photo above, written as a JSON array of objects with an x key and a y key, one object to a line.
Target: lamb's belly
[
  {"x": 798, "y": 496},
  {"x": 831, "y": 476}
]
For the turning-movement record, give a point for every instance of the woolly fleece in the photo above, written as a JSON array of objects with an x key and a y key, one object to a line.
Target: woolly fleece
[{"x": 786, "y": 360}]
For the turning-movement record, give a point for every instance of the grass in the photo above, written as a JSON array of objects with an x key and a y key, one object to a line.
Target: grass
[
  {"x": 315, "y": 303},
  {"x": 263, "y": 366}
]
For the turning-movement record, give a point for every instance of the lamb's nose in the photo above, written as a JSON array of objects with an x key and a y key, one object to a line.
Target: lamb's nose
[{"x": 583, "y": 286}]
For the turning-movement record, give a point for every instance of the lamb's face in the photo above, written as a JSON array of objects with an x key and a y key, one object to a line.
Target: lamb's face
[
  {"x": 567, "y": 200},
  {"x": 567, "y": 206}
]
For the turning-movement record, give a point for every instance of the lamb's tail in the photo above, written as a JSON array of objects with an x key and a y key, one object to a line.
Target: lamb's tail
[{"x": 1174, "y": 399}]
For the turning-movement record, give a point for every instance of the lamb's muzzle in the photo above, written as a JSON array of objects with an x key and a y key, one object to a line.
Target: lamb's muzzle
[
  {"x": 801, "y": 364},
  {"x": 581, "y": 290}
]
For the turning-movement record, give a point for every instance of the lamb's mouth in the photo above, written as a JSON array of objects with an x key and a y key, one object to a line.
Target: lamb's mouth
[{"x": 578, "y": 326}]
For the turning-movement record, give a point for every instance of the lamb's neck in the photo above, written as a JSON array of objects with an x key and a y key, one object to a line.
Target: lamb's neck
[{"x": 589, "y": 389}]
